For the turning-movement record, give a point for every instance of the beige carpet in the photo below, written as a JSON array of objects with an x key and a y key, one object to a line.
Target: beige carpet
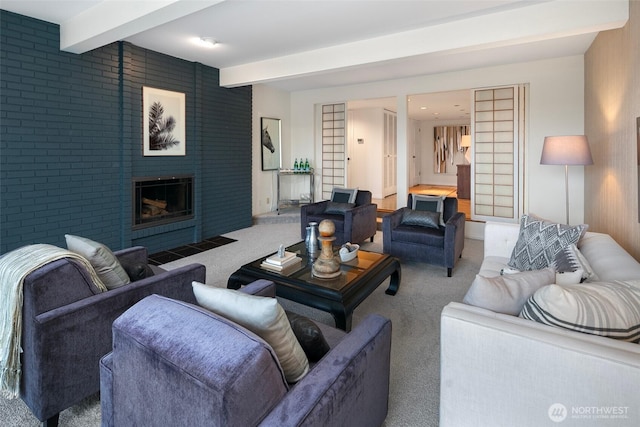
[{"x": 414, "y": 311}]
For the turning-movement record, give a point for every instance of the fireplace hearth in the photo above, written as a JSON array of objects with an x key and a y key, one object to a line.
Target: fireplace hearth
[{"x": 162, "y": 200}]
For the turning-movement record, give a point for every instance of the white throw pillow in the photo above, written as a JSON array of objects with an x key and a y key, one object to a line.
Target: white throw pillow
[
  {"x": 507, "y": 294},
  {"x": 104, "y": 262},
  {"x": 609, "y": 309},
  {"x": 264, "y": 317}
]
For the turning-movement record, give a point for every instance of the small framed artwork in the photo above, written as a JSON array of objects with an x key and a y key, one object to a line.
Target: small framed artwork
[
  {"x": 164, "y": 123},
  {"x": 270, "y": 143}
]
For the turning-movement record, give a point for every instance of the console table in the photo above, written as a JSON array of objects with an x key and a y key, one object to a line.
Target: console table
[{"x": 291, "y": 173}]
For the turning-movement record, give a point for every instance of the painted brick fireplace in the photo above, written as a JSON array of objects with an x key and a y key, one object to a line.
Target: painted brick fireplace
[{"x": 72, "y": 142}]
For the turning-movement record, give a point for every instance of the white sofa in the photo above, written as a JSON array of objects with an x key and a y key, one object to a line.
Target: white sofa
[{"x": 502, "y": 370}]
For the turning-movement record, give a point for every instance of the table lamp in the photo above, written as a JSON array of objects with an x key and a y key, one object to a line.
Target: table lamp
[{"x": 465, "y": 143}]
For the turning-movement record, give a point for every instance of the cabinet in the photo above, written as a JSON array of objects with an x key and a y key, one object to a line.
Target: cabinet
[
  {"x": 464, "y": 181},
  {"x": 290, "y": 176}
]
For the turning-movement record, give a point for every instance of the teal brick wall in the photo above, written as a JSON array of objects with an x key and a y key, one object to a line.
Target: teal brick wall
[{"x": 71, "y": 141}]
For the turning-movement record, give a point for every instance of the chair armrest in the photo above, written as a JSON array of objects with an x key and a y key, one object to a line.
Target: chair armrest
[
  {"x": 392, "y": 220},
  {"x": 175, "y": 284},
  {"x": 389, "y": 222},
  {"x": 353, "y": 378},
  {"x": 106, "y": 390},
  {"x": 363, "y": 210},
  {"x": 310, "y": 209},
  {"x": 314, "y": 208},
  {"x": 454, "y": 238},
  {"x": 360, "y": 223},
  {"x": 261, "y": 287}
]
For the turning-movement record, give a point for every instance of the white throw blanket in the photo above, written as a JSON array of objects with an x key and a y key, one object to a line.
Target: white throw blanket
[{"x": 14, "y": 267}]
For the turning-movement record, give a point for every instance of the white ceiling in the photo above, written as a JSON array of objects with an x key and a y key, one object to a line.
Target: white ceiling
[{"x": 304, "y": 44}]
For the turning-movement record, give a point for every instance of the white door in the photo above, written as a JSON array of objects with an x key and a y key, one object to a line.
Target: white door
[{"x": 357, "y": 155}]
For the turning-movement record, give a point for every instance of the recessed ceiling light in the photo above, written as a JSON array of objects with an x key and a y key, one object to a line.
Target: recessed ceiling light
[
  {"x": 423, "y": 108},
  {"x": 207, "y": 42}
]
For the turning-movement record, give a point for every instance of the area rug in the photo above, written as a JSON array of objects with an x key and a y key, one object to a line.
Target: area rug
[{"x": 414, "y": 311}]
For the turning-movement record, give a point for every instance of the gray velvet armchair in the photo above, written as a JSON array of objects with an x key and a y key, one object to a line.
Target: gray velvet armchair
[
  {"x": 354, "y": 225},
  {"x": 67, "y": 327},
  {"x": 441, "y": 245},
  {"x": 177, "y": 364}
]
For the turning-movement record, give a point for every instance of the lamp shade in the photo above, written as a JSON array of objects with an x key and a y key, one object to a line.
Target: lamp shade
[
  {"x": 465, "y": 141},
  {"x": 566, "y": 150}
]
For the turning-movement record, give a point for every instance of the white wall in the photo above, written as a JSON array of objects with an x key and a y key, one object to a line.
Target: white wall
[
  {"x": 268, "y": 102},
  {"x": 556, "y": 107}
]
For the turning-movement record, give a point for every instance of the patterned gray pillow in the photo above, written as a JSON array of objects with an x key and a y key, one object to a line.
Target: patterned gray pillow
[
  {"x": 421, "y": 218},
  {"x": 540, "y": 241}
]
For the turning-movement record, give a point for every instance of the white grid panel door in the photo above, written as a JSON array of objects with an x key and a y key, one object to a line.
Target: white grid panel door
[
  {"x": 333, "y": 148},
  {"x": 497, "y": 132}
]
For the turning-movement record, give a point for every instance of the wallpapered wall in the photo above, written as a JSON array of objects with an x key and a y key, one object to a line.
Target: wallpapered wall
[
  {"x": 71, "y": 140},
  {"x": 612, "y": 104}
]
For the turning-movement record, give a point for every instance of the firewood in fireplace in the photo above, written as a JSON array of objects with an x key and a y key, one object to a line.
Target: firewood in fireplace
[{"x": 162, "y": 204}]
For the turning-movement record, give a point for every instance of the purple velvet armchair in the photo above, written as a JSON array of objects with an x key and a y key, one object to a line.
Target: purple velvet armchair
[
  {"x": 67, "y": 327},
  {"x": 440, "y": 246},
  {"x": 354, "y": 225},
  {"x": 177, "y": 364}
]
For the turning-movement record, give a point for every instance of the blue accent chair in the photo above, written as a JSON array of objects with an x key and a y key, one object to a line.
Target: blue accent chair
[
  {"x": 356, "y": 224},
  {"x": 177, "y": 364},
  {"x": 440, "y": 246}
]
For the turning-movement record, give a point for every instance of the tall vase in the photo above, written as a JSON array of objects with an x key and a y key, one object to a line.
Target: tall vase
[{"x": 311, "y": 241}]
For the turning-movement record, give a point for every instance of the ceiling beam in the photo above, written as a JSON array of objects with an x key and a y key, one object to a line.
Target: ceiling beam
[
  {"x": 537, "y": 22},
  {"x": 113, "y": 20}
]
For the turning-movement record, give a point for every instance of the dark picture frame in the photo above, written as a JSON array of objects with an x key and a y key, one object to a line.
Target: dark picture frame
[
  {"x": 163, "y": 123},
  {"x": 270, "y": 143}
]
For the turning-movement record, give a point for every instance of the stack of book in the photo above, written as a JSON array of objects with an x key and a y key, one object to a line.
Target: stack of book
[{"x": 275, "y": 263}]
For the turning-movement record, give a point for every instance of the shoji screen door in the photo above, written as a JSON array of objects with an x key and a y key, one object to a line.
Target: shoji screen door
[
  {"x": 498, "y": 130},
  {"x": 333, "y": 148}
]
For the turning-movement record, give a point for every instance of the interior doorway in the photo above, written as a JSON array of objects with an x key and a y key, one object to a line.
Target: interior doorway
[{"x": 425, "y": 112}]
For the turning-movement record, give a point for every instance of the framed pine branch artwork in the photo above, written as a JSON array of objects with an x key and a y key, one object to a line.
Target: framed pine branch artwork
[{"x": 163, "y": 123}]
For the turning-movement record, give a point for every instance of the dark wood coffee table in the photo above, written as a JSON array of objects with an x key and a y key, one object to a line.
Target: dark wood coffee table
[{"x": 339, "y": 296}]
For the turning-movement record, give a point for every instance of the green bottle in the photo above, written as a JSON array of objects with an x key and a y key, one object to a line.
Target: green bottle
[
  {"x": 306, "y": 165},
  {"x": 295, "y": 165}
]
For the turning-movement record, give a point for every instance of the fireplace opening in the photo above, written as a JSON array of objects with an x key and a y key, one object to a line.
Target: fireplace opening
[{"x": 162, "y": 200}]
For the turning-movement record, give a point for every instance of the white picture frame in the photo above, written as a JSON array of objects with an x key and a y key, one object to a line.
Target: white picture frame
[{"x": 164, "y": 123}]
